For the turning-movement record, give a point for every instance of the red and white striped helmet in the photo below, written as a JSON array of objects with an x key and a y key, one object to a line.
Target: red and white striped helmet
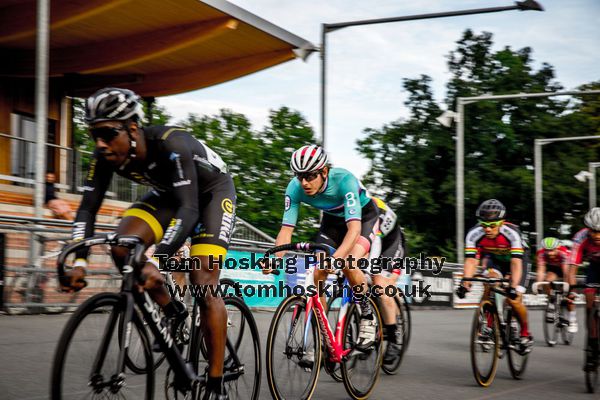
[{"x": 308, "y": 158}]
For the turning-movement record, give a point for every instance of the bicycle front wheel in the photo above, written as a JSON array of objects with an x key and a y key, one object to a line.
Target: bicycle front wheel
[
  {"x": 485, "y": 343},
  {"x": 402, "y": 333},
  {"x": 85, "y": 363},
  {"x": 551, "y": 328},
  {"x": 360, "y": 369},
  {"x": 293, "y": 352}
]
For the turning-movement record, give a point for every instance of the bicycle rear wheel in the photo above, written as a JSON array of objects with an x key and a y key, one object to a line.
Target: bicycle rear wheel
[
  {"x": 402, "y": 335},
  {"x": 485, "y": 343},
  {"x": 291, "y": 373},
  {"x": 360, "y": 369},
  {"x": 516, "y": 361},
  {"x": 93, "y": 323},
  {"x": 242, "y": 369}
]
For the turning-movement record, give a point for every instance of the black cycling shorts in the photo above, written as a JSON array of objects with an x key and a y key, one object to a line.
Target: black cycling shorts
[
  {"x": 557, "y": 269},
  {"x": 211, "y": 234},
  {"x": 592, "y": 274},
  {"x": 333, "y": 229},
  {"x": 393, "y": 247}
]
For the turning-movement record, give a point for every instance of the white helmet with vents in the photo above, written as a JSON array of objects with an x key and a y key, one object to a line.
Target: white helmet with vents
[{"x": 308, "y": 158}]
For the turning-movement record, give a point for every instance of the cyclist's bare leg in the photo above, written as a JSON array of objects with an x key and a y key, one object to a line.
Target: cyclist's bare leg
[
  {"x": 356, "y": 278},
  {"x": 519, "y": 309},
  {"x": 155, "y": 282},
  {"x": 388, "y": 309},
  {"x": 214, "y": 316},
  {"x": 516, "y": 268},
  {"x": 550, "y": 277}
]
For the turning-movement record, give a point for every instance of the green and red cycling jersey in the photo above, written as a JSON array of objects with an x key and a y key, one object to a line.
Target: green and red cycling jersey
[
  {"x": 508, "y": 244},
  {"x": 584, "y": 249},
  {"x": 558, "y": 259}
]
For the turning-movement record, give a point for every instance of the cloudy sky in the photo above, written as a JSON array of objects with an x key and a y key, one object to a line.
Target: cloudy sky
[{"x": 367, "y": 64}]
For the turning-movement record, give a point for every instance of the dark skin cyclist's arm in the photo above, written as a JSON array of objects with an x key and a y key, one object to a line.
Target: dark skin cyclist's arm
[{"x": 94, "y": 189}]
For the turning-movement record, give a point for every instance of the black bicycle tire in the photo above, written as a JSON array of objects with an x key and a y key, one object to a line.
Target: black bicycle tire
[
  {"x": 248, "y": 318},
  {"x": 516, "y": 373},
  {"x": 346, "y": 373},
  {"x": 73, "y": 323},
  {"x": 481, "y": 380},
  {"x": 405, "y": 312},
  {"x": 549, "y": 327},
  {"x": 275, "y": 393}
]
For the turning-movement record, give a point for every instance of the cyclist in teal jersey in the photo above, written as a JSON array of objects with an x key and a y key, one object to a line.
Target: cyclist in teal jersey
[{"x": 349, "y": 224}]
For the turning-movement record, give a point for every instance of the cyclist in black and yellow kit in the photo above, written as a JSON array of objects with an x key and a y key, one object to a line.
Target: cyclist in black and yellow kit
[{"x": 192, "y": 195}]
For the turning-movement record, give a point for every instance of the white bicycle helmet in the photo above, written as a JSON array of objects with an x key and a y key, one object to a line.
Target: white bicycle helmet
[
  {"x": 308, "y": 158},
  {"x": 592, "y": 219}
]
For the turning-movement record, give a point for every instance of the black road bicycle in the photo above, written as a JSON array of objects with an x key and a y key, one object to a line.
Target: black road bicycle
[
  {"x": 495, "y": 331},
  {"x": 90, "y": 359},
  {"x": 555, "y": 314}
]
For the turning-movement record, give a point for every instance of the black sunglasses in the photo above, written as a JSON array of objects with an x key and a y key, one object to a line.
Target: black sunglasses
[
  {"x": 309, "y": 176},
  {"x": 106, "y": 133}
]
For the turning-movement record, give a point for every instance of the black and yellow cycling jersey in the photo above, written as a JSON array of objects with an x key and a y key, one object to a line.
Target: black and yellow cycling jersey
[{"x": 192, "y": 195}]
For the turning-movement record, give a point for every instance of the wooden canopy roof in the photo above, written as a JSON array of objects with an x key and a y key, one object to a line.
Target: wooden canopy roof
[{"x": 154, "y": 47}]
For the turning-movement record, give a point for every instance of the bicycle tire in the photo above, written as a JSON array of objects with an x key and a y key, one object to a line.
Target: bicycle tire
[
  {"x": 129, "y": 361},
  {"x": 485, "y": 309},
  {"x": 247, "y": 320},
  {"x": 551, "y": 329},
  {"x": 347, "y": 369},
  {"x": 513, "y": 355},
  {"x": 404, "y": 321},
  {"x": 298, "y": 303},
  {"x": 89, "y": 307}
]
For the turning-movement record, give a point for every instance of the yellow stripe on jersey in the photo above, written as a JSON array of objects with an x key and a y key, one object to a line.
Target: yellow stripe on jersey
[
  {"x": 206, "y": 249},
  {"x": 167, "y": 133},
  {"x": 147, "y": 218},
  {"x": 380, "y": 203}
]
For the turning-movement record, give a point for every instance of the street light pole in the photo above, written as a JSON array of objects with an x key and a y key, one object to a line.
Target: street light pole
[
  {"x": 526, "y": 5},
  {"x": 323, "y": 80},
  {"x": 592, "y": 189}
]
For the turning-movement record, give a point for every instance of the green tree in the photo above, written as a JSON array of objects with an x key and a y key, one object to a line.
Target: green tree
[
  {"x": 413, "y": 159},
  {"x": 258, "y": 162}
]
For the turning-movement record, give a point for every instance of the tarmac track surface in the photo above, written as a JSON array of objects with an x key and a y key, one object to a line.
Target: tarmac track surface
[{"x": 436, "y": 366}]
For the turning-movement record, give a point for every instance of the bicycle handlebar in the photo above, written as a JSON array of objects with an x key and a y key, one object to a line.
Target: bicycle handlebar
[
  {"x": 305, "y": 247},
  {"x": 131, "y": 242},
  {"x": 491, "y": 281},
  {"x": 486, "y": 280},
  {"x": 564, "y": 286}
]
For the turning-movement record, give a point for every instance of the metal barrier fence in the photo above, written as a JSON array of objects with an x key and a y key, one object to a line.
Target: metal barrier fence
[
  {"x": 22, "y": 169},
  {"x": 28, "y": 284},
  {"x": 28, "y": 271}
]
